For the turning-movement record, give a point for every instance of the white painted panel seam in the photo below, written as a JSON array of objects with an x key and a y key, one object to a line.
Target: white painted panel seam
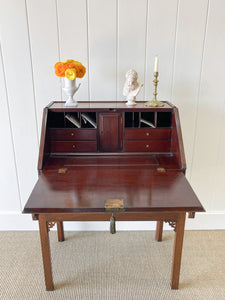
[
  {"x": 58, "y": 39},
  {"x": 146, "y": 48},
  {"x": 175, "y": 51},
  {"x": 117, "y": 50},
  {"x": 32, "y": 72},
  {"x": 88, "y": 51},
  {"x": 145, "y": 54},
  {"x": 57, "y": 25},
  {"x": 10, "y": 126},
  {"x": 218, "y": 150},
  {"x": 199, "y": 88}
]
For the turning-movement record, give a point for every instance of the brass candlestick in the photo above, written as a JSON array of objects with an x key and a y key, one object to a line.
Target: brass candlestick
[{"x": 155, "y": 102}]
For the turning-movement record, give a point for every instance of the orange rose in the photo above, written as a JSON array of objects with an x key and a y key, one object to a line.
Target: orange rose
[
  {"x": 80, "y": 70},
  {"x": 70, "y": 65},
  {"x": 60, "y": 69}
]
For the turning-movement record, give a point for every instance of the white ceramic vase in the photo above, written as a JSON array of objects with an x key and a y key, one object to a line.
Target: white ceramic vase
[{"x": 70, "y": 89}]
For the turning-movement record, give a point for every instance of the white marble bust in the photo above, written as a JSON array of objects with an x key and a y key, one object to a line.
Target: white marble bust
[{"x": 131, "y": 87}]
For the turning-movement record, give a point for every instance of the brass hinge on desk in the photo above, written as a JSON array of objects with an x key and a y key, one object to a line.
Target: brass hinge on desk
[
  {"x": 161, "y": 170},
  {"x": 62, "y": 170}
]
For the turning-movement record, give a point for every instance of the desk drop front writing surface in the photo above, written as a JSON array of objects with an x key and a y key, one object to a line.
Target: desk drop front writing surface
[{"x": 105, "y": 150}]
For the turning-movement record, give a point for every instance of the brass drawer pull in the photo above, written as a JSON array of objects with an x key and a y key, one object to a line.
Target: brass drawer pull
[
  {"x": 147, "y": 146},
  {"x": 147, "y": 133},
  {"x": 74, "y": 146},
  {"x": 72, "y": 134}
]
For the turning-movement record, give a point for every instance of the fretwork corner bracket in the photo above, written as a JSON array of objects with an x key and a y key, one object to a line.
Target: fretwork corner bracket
[
  {"x": 35, "y": 217},
  {"x": 172, "y": 224},
  {"x": 50, "y": 225}
]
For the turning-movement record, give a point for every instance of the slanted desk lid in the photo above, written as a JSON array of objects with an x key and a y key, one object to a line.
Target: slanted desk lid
[{"x": 85, "y": 189}]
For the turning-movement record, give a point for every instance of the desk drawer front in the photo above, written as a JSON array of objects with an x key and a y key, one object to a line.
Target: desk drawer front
[
  {"x": 147, "y": 146},
  {"x": 80, "y": 146},
  {"x": 147, "y": 133},
  {"x": 73, "y": 134}
]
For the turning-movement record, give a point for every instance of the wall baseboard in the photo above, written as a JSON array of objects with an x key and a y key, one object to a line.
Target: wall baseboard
[{"x": 12, "y": 221}]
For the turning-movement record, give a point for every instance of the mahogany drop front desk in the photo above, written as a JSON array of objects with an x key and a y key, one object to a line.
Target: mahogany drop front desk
[{"x": 106, "y": 150}]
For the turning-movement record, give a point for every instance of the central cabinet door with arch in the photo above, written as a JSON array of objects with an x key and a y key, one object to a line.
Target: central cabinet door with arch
[{"x": 110, "y": 131}]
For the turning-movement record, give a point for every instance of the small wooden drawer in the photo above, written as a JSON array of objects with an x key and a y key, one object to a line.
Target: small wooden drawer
[
  {"x": 147, "y": 133},
  {"x": 77, "y": 146},
  {"x": 69, "y": 134},
  {"x": 147, "y": 146}
]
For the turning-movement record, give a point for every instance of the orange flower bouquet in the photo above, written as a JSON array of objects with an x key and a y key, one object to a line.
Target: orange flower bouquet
[{"x": 70, "y": 70}]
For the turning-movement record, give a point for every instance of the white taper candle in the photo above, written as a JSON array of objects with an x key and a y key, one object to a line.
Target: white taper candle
[{"x": 156, "y": 66}]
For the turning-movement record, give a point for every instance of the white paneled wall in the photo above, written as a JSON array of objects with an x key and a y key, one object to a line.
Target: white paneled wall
[
  {"x": 160, "y": 39},
  {"x": 9, "y": 197},
  {"x": 44, "y": 48},
  {"x": 209, "y": 181},
  {"x": 102, "y": 42},
  {"x": 73, "y": 37},
  {"x": 20, "y": 98},
  {"x": 189, "y": 49},
  {"x": 132, "y": 23},
  {"x": 109, "y": 37}
]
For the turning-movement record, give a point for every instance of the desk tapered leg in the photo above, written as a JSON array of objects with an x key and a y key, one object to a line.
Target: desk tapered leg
[
  {"x": 159, "y": 231},
  {"x": 43, "y": 227},
  {"x": 177, "y": 251},
  {"x": 60, "y": 231}
]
